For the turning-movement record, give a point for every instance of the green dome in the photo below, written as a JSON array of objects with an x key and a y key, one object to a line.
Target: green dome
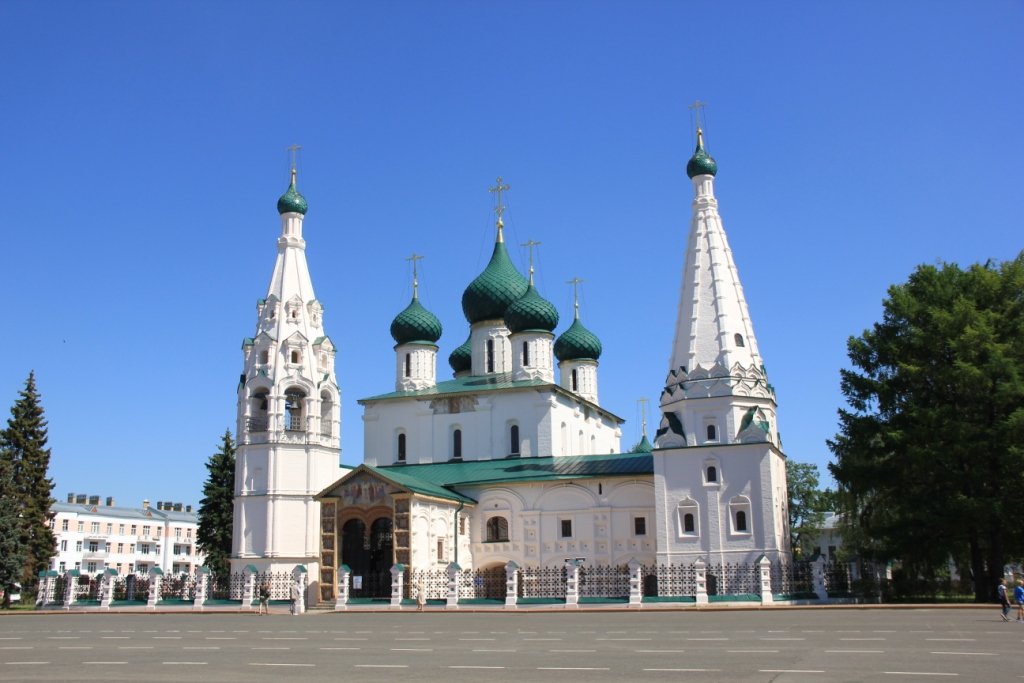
[
  {"x": 531, "y": 312},
  {"x": 415, "y": 324},
  {"x": 461, "y": 359},
  {"x": 291, "y": 201},
  {"x": 644, "y": 446},
  {"x": 577, "y": 343},
  {"x": 701, "y": 162},
  {"x": 491, "y": 293}
]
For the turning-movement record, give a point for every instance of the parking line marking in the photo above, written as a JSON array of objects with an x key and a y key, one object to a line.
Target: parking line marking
[
  {"x": 791, "y": 671},
  {"x": 858, "y": 652},
  {"x": 975, "y": 654},
  {"x": 684, "y": 670},
  {"x": 473, "y": 666},
  {"x": 278, "y": 664},
  {"x": 917, "y": 673}
]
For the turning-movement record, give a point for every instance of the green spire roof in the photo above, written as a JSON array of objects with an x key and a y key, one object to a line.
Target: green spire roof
[
  {"x": 577, "y": 343},
  {"x": 491, "y": 293},
  {"x": 415, "y": 324},
  {"x": 461, "y": 359},
  {"x": 531, "y": 312},
  {"x": 644, "y": 446},
  {"x": 291, "y": 201},
  {"x": 701, "y": 162}
]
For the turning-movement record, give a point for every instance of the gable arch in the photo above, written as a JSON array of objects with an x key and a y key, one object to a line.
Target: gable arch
[
  {"x": 634, "y": 493},
  {"x": 567, "y": 497}
]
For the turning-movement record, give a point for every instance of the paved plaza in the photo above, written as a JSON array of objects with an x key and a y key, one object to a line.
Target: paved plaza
[{"x": 822, "y": 644}]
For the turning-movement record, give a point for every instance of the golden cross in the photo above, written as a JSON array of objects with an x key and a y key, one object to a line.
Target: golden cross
[
  {"x": 294, "y": 150},
  {"x": 499, "y": 188},
  {"x": 530, "y": 244},
  {"x": 575, "y": 282},
  {"x": 642, "y": 402},
  {"x": 415, "y": 283},
  {"x": 696, "y": 108}
]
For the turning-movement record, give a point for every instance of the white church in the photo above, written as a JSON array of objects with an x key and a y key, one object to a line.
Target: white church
[{"x": 512, "y": 458}]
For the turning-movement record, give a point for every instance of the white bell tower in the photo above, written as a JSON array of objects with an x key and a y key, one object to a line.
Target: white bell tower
[{"x": 289, "y": 424}]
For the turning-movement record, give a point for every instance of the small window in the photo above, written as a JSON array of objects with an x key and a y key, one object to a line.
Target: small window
[
  {"x": 739, "y": 340},
  {"x": 462, "y": 525},
  {"x": 575, "y": 380},
  {"x": 566, "y": 528},
  {"x": 408, "y": 364},
  {"x": 490, "y": 355},
  {"x": 296, "y": 357},
  {"x": 741, "y": 520},
  {"x": 440, "y": 550},
  {"x": 513, "y": 433},
  {"x": 712, "y": 433},
  {"x": 712, "y": 474},
  {"x": 64, "y": 525},
  {"x": 264, "y": 357},
  {"x": 497, "y": 530},
  {"x": 401, "y": 447},
  {"x": 526, "y": 354},
  {"x": 640, "y": 526},
  {"x": 688, "y": 523},
  {"x": 457, "y": 444}
]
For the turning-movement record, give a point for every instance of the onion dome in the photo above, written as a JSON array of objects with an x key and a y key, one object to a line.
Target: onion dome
[
  {"x": 415, "y": 324},
  {"x": 701, "y": 162},
  {"x": 461, "y": 359},
  {"x": 531, "y": 312},
  {"x": 291, "y": 201},
  {"x": 577, "y": 343},
  {"x": 495, "y": 289},
  {"x": 644, "y": 446}
]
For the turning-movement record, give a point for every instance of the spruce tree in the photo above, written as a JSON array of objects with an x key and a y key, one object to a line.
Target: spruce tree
[
  {"x": 12, "y": 555},
  {"x": 24, "y": 440},
  {"x": 216, "y": 510}
]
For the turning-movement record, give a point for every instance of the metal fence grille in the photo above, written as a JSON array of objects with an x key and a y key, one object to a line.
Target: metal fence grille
[
  {"x": 226, "y": 586},
  {"x": 280, "y": 584},
  {"x": 604, "y": 581},
  {"x": 483, "y": 583},
  {"x": 673, "y": 580},
  {"x": 733, "y": 579},
  {"x": 837, "y": 578},
  {"x": 433, "y": 582},
  {"x": 791, "y": 578},
  {"x": 180, "y": 587},
  {"x": 542, "y": 582}
]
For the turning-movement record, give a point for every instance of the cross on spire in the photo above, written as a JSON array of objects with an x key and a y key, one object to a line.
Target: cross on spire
[
  {"x": 293, "y": 152},
  {"x": 696, "y": 108},
  {"x": 575, "y": 282},
  {"x": 500, "y": 208},
  {"x": 530, "y": 244},
  {"x": 415, "y": 282},
  {"x": 642, "y": 403}
]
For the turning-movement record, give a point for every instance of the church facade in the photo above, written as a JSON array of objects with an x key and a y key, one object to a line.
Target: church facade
[{"x": 513, "y": 458}]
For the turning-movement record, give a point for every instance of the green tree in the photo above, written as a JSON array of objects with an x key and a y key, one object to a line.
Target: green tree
[
  {"x": 216, "y": 510},
  {"x": 929, "y": 460},
  {"x": 24, "y": 442},
  {"x": 806, "y": 505},
  {"x": 12, "y": 554}
]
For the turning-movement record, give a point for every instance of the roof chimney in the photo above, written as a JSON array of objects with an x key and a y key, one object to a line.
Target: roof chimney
[
  {"x": 110, "y": 501},
  {"x": 188, "y": 508},
  {"x": 71, "y": 498},
  {"x": 94, "y": 500},
  {"x": 80, "y": 499},
  {"x": 145, "y": 504},
  {"x": 177, "y": 507}
]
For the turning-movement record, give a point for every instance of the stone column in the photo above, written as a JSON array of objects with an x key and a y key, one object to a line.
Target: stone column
[
  {"x": 341, "y": 601},
  {"x": 764, "y": 566},
  {"x": 397, "y": 581},
  {"x": 818, "y": 577},
  {"x": 454, "y": 573},
  {"x": 636, "y": 594},
  {"x": 70, "y": 587},
  {"x": 202, "y": 586},
  {"x": 298, "y": 591},
  {"x": 511, "y": 584},
  {"x": 249, "y": 587},
  {"x": 44, "y": 593},
  {"x": 156, "y": 579},
  {"x": 572, "y": 584},
  {"x": 701, "y": 569},
  {"x": 107, "y": 587}
]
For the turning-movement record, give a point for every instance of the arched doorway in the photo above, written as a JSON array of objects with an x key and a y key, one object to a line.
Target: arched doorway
[{"x": 369, "y": 556}]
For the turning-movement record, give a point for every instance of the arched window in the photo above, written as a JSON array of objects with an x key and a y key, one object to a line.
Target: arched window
[
  {"x": 326, "y": 413},
  {"x": 257, "y": 421},
  {"x": 293, "y": 420},
  {"x": 739, "y": 340},
  {"x": 575, "y": 380},
  {"x": 490, "y": 355},
  {"x": 712, "y": 433},
  {"x": 687, "y": 517},
  {"x": 457, "y": 444},
  {"x": 264, "y": 356},
  {"x": 688, "y": 525},
  {"x": 526, "y": 354},
  {"x": 408, "y": 364},
  {"x": 296, "y": 356},
  {"x": 401, "y": 447},
  {"x": 712, "y": 474},
  {"x": 739, "y": 508},
  {"x": 513, "y": 435},
  {"x": 497, "y": 529},
  {"x": 741, "y": 520}
]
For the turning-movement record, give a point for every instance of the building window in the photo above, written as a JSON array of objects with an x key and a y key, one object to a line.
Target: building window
[
  {"x": 78, "y": 546},
  {"x": 63, "y": 546},
  {"x": 264, "y": 357},
  {"x": 120, "y": 548},
  {"x": 688, "y": 523},
  {"x": 712, "y": 433},
  {"x": 120, "y": 529},
  {"x": 513, "y": 433},
  {"x": 497, "y": 529},
  {"x": 687, "y": 517},
  {"x": 401, "y": 447},
  {"x": 293, "y": 421},
  {"x": 526, "y": 354},
  {"x": 566, "y": 529},
  {"x": 64, "y": 525},
  {"x": 110, "y": 529},
  {"x": 145, "y": 531},
  {"x": 639, "y": 526},
  {"x": 93, "y": 546},
  {"x": 94, "y": 527},
  {"x": 457, "y": 444},
  {"x": 739, "y": 340},
  {"x": 575, "y": 380},
  {"x": 62, "y": 567},
  {"x": 81, "y": 527},
  {"x": 133, "y": 529},
  {"x": 296, "y": 357},
  {"x": 462, "y": 525},
  {"x": 739, "y": 508},
  {"x": 741, "y": 520},
  {"x": 490, "y": 355},
  {"x": 91, "y": 567},
  {"x": 408, "y": 364},
  {"x": 440, "y": 550},
  {"x": 712, "y": 474}
]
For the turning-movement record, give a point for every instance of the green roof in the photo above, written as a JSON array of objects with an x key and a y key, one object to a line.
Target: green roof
[
  {"x": 415, "y": 324},
  {"x": 291, "y": 201},
  {"x": 531, "y": 312},
  {"x": 487, "y": 297},
  {"x": 461, "y": 359},
  {"x": 701, "y": 162},
  {"x": 577, "y": 343}
]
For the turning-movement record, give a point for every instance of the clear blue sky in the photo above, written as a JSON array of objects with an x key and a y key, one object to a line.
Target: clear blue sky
[{"x": 144, "y": 150}]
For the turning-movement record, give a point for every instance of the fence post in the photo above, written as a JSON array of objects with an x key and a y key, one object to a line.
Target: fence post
[
  {"x": 70, "y": 587},
  {"x": 202, "y": 586},
  {"x": 636, "y": 595},
  {"x": 298, "y": 590},
  {"x": 511, "y": 584},
  {"x": 341, "y": 599},
  {"x": 107, "y": 587},
  {"x": 44, "y": 594},
  {"x": 572, "y": 584},
  {"x": 764, "y": 565},
  {"x": 454, "y": 572},
  {"x": 156, "y": 579},
  {"x": 818, "y": 574},
  {"x": 249, "y": 587},
  {"x": 397, "y": 581},
  {"x": 701, "y": 570}
]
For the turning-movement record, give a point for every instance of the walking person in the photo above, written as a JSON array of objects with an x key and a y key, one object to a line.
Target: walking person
[
  {"x": 421, "y": 597},
  {"x": 1004, "y": 600},
  {"x": 1018, "y": 597},
  {"x": 295, "y": 598},
  {"x": 264, "y": 596}
]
